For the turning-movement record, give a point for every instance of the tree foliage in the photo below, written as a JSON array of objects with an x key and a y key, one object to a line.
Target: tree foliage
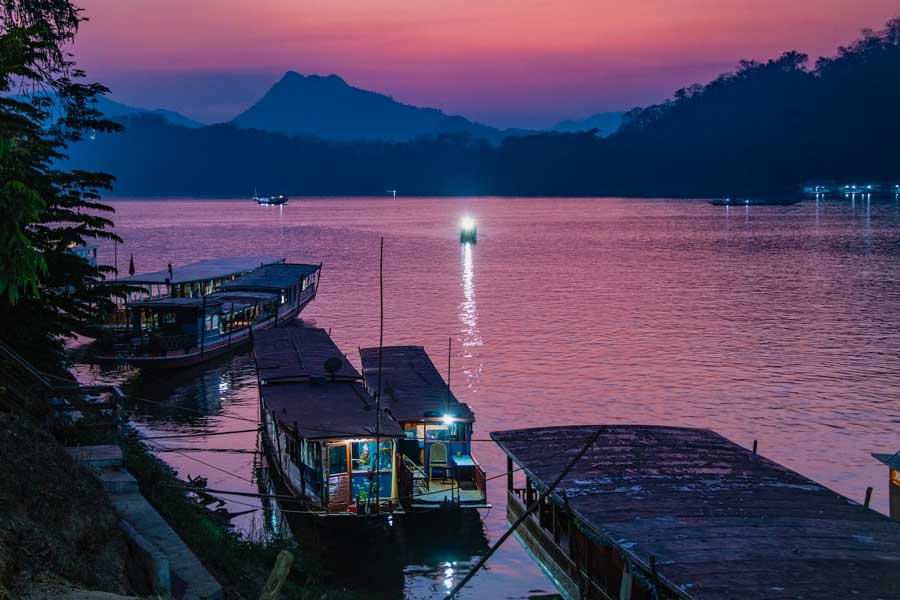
[{"x": 46, "y": 291}]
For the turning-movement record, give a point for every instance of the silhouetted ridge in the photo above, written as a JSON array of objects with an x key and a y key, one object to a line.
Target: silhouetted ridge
[{"x": 330, "y": 108}]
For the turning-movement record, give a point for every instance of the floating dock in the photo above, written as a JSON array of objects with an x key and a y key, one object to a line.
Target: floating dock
[{"x": 671, "y": 512}]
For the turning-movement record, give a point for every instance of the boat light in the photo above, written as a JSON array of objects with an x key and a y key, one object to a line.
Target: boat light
[
  {"x": 467, "y": 223},
  {"x": 468, "y": 229},
  {"x": 447, "y": 419}
]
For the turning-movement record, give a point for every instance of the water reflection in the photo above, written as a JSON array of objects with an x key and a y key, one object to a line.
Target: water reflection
[{"x": 468, "y": 315}]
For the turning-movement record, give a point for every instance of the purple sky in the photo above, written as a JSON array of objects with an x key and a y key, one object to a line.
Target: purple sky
[{"x": 509, "y": 63}]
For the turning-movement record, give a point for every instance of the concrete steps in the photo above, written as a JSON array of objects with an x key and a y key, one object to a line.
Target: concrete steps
[{"x": 173, "y": 568}]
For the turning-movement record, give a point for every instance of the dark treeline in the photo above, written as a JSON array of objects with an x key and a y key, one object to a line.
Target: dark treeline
[{"x": 767, "y": 127}]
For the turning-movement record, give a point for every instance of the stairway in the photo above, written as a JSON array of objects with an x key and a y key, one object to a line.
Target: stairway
[{"x": 174, "y": 569}]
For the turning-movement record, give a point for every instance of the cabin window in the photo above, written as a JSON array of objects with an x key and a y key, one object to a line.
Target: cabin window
[
  {"x": 443, "y": 432},
  {"x": 363, "y": 455},
  {"x": 337, "y": 460},
  {"x": 167, "y": 318}
]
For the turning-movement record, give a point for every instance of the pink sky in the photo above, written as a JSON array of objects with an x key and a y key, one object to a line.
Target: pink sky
[{"x": 508, "y": 63}]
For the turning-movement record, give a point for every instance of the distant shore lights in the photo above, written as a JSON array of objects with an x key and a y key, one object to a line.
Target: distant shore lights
[{"x": 468, "y": 230}]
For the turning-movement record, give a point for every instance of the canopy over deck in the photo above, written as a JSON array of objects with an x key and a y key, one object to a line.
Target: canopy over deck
[
  {"x": 272, "y": 277},
  {"x": 410, "y": 383},
  {"x": 229, "y": 300},
  {"x": 295, "y": 351},
  {"x": 891, "y": 460},
  {"x": 203, "y": 270},
  {"x": 720, "y": 521},
  {"x": 326, "y": 409}
]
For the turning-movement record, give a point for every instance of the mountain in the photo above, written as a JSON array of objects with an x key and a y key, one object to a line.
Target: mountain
[
  {"x": 607, "y": 122},
  {"x": 330, "y": 108},
  {"x": 113, "y": 109}
]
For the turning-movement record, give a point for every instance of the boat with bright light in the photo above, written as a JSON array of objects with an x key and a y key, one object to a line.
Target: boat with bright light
[
  {"x": 277, "y": 200},
  {"x": 755, "y": 201},
  {"x": 435, "y": 465}
]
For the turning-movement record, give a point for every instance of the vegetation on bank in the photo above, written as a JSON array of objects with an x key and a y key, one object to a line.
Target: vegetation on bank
[
  {"x": 240, "y": 564},
  {"x": 768, "y": 126}
]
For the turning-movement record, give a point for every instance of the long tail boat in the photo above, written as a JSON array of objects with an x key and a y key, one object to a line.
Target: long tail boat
[
  {"x": 436, "y": 468},
  {"x": 322, "y": 434},
  {"x": 184, "y": 330}
]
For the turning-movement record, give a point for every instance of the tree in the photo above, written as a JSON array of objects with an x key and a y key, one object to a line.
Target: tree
[{"x": 46, "y": 291}]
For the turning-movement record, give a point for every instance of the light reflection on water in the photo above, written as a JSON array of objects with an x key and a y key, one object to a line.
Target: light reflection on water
[{"x": 780, "y": 324}]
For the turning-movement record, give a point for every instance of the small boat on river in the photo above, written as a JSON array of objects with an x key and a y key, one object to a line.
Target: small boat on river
[
  {"x": 183, "y": 330},
  {"x": 755, "y": 201},
  {"x": 276, "y": 200}
]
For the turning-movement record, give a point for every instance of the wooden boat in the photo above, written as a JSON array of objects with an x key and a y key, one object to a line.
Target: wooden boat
[
  {"x": 755, "y": 201},
  {"x": 319, "y": 425},
  {"x": 181, "y": 331},
  {"x": 672, "y": 512},
  {"x": 436, "y": 468}
]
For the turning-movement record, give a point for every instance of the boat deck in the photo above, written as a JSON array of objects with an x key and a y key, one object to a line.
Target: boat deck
[{"x": 440, "y": 491}]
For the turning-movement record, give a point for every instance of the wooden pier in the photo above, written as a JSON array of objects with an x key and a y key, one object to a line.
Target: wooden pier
[{"x": 670, "y": 512}]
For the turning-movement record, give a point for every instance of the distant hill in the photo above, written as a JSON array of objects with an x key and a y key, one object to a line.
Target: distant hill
[
  {"x": 329, "y": 108},
  {"x": 113, "y": 109},
  {"x": 607, "y": 122}
]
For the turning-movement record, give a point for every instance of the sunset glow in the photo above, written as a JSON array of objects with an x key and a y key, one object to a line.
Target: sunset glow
[{"x": 510, "y": 63}]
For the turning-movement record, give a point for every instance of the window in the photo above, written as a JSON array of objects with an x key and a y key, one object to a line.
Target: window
[
  {"x": 363, "y": 453},
  {"x": 441, "y": 432},
  {"x": 337, "y": 460}
]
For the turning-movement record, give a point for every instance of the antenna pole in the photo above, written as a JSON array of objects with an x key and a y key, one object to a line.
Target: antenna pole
[
  {"x": 377, "y": 457},
  {"x": 449, "y": 354}
]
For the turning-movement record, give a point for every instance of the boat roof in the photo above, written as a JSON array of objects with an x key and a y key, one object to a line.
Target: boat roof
[
  {"x": 719, "y": 520},
  {"x": 202, "y": 270},
  {"x": 297, "y": 351},
  {"x": 296, "y": 388},
  {"x": 326, "y": 409},
  {"x": 891, "y": 460},
  {"x": 272, "y": 277},
  {"x": 411, "y": 385}
]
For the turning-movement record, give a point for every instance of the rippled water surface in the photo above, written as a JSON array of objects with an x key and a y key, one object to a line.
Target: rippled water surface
[{"x": 777, "y": 324}]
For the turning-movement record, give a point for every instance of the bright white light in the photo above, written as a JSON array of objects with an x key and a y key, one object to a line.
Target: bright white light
[
  {"x": 467, "y": 223},
  {"x": 447, "y": 419}
]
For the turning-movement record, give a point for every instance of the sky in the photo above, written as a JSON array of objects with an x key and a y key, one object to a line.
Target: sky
[{"x": 507, "y": 63}]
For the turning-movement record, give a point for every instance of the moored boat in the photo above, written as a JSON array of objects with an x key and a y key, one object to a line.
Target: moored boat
[
  {"x": 681, "y": 513},
  {"x": 322, "y": 433},
  {"x": 179, "y": 331},
  {"x": 436, "y": 468}
]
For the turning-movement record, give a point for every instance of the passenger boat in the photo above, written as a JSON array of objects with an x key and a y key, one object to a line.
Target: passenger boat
[
  {"x": 436, "y": 468},
  {"x": 322, "y": 433},
  {"x": 184, "y": 330},
  {"x": 755, "y": 201},
  {"x": 680, "y": 513}
]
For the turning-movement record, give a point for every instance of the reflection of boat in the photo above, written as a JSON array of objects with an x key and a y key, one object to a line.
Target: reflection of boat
[
  {"x": 183, "y": 331},
  {"x": 321, "y": 431},
  {"x": 274, "y": 200},
  {"x": 754, "y": 201},
  {"x": 435, "y": 467}
]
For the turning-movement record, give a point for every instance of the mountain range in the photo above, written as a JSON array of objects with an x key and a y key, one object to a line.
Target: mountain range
[{"x": 329, "y": 108}]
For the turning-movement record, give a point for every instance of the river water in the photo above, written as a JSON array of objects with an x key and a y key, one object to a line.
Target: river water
[{"x": 776, "y": 324}]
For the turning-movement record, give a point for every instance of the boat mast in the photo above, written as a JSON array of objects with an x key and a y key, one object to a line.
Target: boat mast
[{"x": 377, "y": 456}]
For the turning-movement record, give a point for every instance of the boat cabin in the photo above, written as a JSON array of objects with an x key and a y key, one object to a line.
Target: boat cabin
[
  {"x": 437, "y": 468},
  {"x": 187, "y": 330},
  {"x": 319, "y": 424},
  {"x": 672, "y": 512}
]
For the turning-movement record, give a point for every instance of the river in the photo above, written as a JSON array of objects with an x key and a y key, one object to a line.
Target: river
[{"x": 776, "y": 324}]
